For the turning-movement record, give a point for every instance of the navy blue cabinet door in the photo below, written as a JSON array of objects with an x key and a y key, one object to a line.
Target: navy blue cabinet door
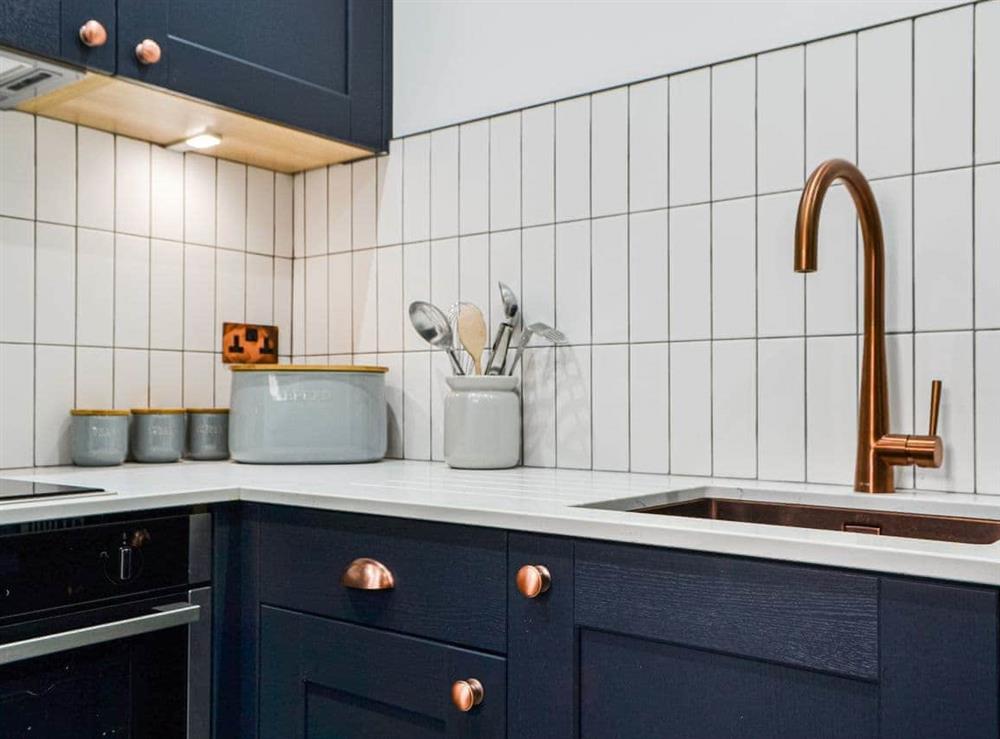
[
  {"x": 52, "y": 28},
  {"x": 73, "y": 14},
  {"x": 319, "y": 65},
  {"x": 30, "y": 25},
  {"x": 321, "y": 679}
]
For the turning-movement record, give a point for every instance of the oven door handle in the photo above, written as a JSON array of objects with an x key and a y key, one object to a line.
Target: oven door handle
[{"x": 162, "y": 617}]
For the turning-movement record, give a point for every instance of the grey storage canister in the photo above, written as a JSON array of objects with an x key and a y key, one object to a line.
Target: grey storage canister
[
  {"x": 157, "y": 434},
  {"x": 98, "y": 438},
  {"x": 318, "y": 414},
  {"x": 207, "y": 433}
]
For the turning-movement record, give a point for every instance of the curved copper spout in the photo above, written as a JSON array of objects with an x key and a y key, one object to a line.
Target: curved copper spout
[{"x": 878, "y": 450}]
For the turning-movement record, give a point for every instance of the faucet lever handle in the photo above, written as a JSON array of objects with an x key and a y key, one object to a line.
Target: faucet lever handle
[{"x": 935, "y": 406}]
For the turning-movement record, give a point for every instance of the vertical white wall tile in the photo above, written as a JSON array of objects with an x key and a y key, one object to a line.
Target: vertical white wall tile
[
  {"x": 17, "y": 380},
  {"x": 417, "y": 188},
  {"x": 538, "y": 165},
  {"x": 230, "y": 290},
  {"x": 734, "y": 110},
  {"x": 394, "y": 401},
  {"x": 885, "y": 99},
  {"x": 734, "y": 408},
  {"x": 649, "y": 407},
  {"x": 390, "y": 194},
  {"x": 224, "y": 383},
  {"x": 942, "y": 238},
  {"x": 199, "y": 298},
  {"x": 947, "y": 357},
  {"x": 780, "y": 306},
  {"x": 166, "y": 295},
  {"x": 132, "y": 183},
  {"x": 648, "y": 276},
  {"x": 132, "y": 378},
  {"x": 365, "y": 297},
  {"x": 690, "y": 273},
  {"x": 283, "y": 207},
  {"x": 831, "y": 408},
  {"x": 55, "y": 171},
  {"x": 95, "y": 287},
  {"x": 573, "y": 414},
  {"x": 166, "y": 379},
  {"x": 199, "y": 380},
  {"x": 55, "y": 283},
  {"x": 942, "y": 89},
  {"x": 283, "y": 303},
  {"x": 830, "y": 301},
  {"x": 474, "y": 271},
  {"x": 690, "y": 137},
  {"x": 780, "y": 119},
  {"x": 339, "y": 203},
  {"x": 505, "y": 172},
  {"x": 474, "y": 177},
  {"x": 538, "y": 372},
  {"x": 440, "y": 369},
  {"x": 444, "y": 183},
  {"x": 505, "y": 267},
  {"x": 299, "y": 321},
  {"x": 340, "y": 299},
  {"x": 166, "y": 193},
  {"x": 609, "y": 152},
  {"x": 417, "y": 405},
  {"x": 231, "y": 205},
  {"x": 363, "y": 203},
  {"x": 260, "y": 289},
  {"x": 610, "y": 407},
  {"x": 416, "y": 286},
  {"x": 299, "y": 215},
  {"x": 895, "y": 203},
  {"x": 260, "y": 211},
  {"x": 573, "y": 159},
  {"x": 734, "y": 257},
  {"x": 317, "y": 326},
  {"x": 987, "y": 412},
  {"x": 610, "y": 279},
  {"x": 987, "y": 75},
  {"x": 648, "y": 148},
  {"x": 538, "y": 281},
  {"x": 390, "y": 299},
  {"x": 94, "y": 377},
  {"x": 54, "y": 392},
  {"x": 17, "y": 164},
  {"x": 17, "y": 280},
  {"x": 131, "y": 291},
  {"x": 316, "y": 206},
  {"x": 831, "y": 95},
  {"x": 199, "y": 199},
  {"x": 899, "y": 356},
  {"x": 987, "y": 232},
  {"x": 691, "y": 408},
  {"x": 95, "y": 168},
  {"x": 444, "y": 273},
  {"x": 573, "y": 280},
  {"x": 781, "y": 409}
]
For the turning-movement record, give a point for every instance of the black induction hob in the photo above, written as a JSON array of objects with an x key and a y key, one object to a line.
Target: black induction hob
[{"x": 22, "y": 489}]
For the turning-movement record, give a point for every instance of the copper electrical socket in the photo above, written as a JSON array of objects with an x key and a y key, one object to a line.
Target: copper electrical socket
[{"x": 249, "y": 343}]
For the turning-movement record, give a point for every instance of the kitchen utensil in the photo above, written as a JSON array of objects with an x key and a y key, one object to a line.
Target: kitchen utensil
[
  {"x": 472, "y": 334},
  {"x": 482, "y": 422},
  {"x": 98, "y": 437},
  {"x": 501, "y": 344},
  {"x": 545, "y": 331},
  {"x": 157, "y": 434},
  {"x": 526, "y": 334},
  {"x": 434, "y": 328}
]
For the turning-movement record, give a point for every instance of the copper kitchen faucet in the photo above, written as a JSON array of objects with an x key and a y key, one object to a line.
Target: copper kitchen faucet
[{"x": 878, "y": 450}]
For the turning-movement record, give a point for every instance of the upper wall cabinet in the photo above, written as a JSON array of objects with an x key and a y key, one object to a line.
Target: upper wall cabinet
[
  {"x": 78, "y": 31},
  {"x": 318, "y": 65}
]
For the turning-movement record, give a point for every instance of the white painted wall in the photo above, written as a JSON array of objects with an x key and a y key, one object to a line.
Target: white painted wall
[{"x": 456, "y": 60}]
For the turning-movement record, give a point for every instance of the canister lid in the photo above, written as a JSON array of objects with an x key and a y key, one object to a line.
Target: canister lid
[
  {"x": 307, "y": 368},
  {"x": 207, "y": 410},
  {"x": 98, "y": 412},
  {"x": 158, "y": 411}
]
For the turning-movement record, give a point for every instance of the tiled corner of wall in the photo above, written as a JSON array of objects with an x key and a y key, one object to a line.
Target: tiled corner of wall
[{"x": 119, "y": 260}]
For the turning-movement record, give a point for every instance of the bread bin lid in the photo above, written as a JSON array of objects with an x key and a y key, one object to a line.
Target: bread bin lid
[{"x": 308, "y": 368}]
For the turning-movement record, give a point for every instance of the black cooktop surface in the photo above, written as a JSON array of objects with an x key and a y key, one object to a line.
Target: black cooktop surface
[{"x": 17, "y": 489}]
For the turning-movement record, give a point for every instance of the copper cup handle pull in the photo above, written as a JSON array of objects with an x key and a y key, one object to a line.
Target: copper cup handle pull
[
  {"x": 533, "y": 580},
  {"x": 467, "y": 694},
  {"x": 93, "y": 34},
  {"x": 148, "y": 51},
  {"x": 367, "y": 574},
  {"x": 935, "y": 406}
]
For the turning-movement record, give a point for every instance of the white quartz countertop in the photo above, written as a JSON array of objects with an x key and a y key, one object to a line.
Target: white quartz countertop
[{"x": 545, "y": 501}]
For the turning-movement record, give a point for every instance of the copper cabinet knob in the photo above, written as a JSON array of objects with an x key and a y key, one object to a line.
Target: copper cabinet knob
[
  {"x": 93, "y": 33},
  {"x": 367, "y": 574},
  {"x": 533, "y": 580},
  {"x": 467, "y": 694},
  {"x": 148, "y": 51}
]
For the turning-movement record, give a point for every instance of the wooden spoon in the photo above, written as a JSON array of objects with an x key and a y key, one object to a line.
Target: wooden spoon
[{"x": 472, "y": 333}]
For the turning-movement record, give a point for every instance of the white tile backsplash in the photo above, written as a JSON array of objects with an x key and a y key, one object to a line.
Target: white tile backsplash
[
  {"x": 56, "y": 171},
  {"x": 609, "y": 152},
  {"x": 780, "y": 120},
  {"x": 649, "y": 156},
  {"x": 734, "y": 101},
  {"x": 474, "y": 177},
  {"x": 830, "y": 100},
  {"x": 609, "y": 248},
  {"x": 95, "y": 191},
  {"x": 17, "y": 164},
  {"x": 538, "y": 151},
  {"x": 987, "y": 74},
  {"x": 17, "y": 280},
  {"x": 885, "y": 99},
  {"x": 573, "y": 159},
  {"x": 55, "y": 283},
  {"x": 610, "y": 366},
  {"x": 505, "y": 172},
  {"x": 690, "y": 137}
]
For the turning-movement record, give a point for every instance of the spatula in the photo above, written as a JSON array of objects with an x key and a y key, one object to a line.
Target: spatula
[{"x": 472, "y": 334}]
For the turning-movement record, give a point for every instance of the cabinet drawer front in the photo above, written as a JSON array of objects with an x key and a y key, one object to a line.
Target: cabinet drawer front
[
  {"x": 448, "y": 580},
  {"x": 322, "y": 678},
  {"x": 795, "y": 615}
]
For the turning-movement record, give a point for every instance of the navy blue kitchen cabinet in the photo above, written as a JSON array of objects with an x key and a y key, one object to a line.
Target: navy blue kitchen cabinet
[
  {"x": 627, "y": 641},
  {"x": 319, "y": 65},
  {"x": 51, "y": 28}
]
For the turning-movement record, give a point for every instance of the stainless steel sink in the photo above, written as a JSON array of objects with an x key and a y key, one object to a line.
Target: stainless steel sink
[{"x": 885, "y": 523}]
